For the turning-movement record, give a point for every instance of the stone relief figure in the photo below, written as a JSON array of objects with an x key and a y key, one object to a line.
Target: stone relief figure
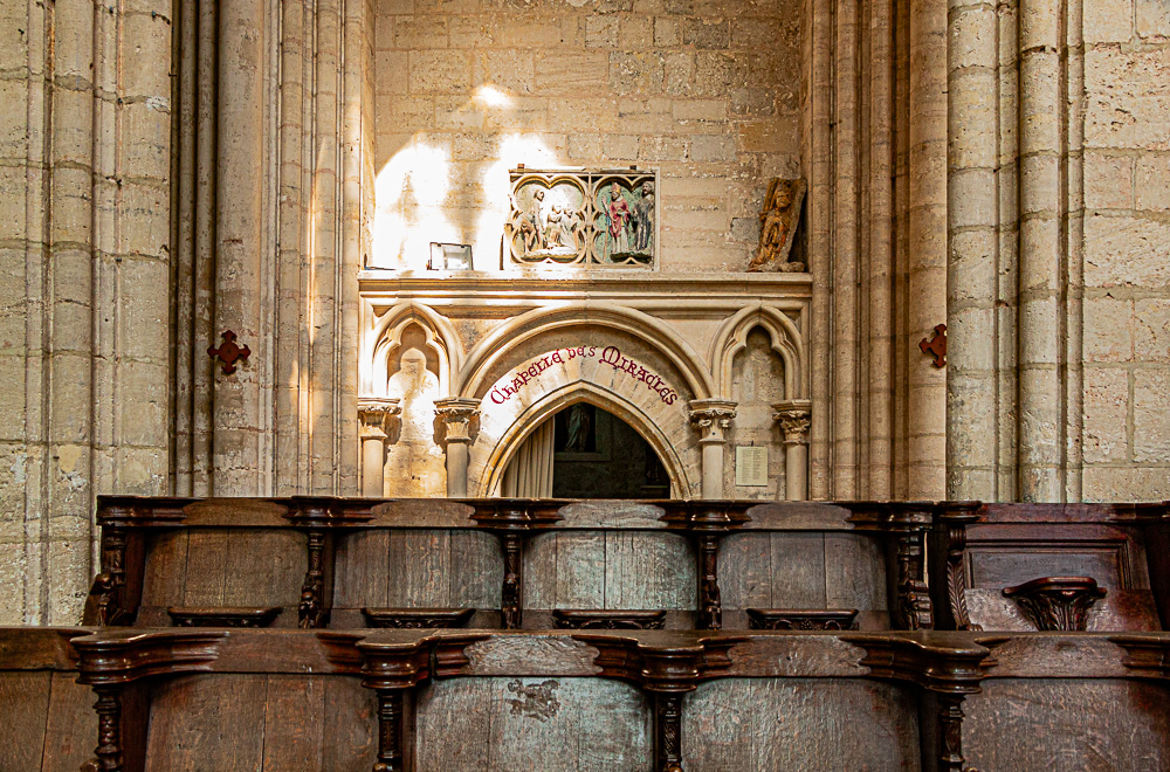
[
  {"x": 598, "y": 217},
  {"x": 418, "y": 388},
  {"x": 778, "y": 222},
  {"x": 618, "y": 210},
  {"x": 644, "y": 218},
  {"x": 580, "y": 425}
]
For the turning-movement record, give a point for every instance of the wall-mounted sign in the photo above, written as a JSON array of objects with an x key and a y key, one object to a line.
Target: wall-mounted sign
[
  {"x": 751, "y": 465},
  {"x": 638, "y": 373}
]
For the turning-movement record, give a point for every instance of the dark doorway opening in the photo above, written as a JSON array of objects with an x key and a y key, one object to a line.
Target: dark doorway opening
[{"x": 599, "y": 456}]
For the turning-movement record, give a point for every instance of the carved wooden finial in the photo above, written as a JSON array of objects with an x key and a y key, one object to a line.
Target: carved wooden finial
[
  {"x": 228, "y": 353},
  {"x": 936, "y": 345}
]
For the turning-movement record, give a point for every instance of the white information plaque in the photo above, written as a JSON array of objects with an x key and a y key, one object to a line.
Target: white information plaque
[{"x": 751, "y": 465}]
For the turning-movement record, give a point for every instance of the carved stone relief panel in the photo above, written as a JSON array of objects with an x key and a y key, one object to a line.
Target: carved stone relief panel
[{"x": 582, "y": 217}]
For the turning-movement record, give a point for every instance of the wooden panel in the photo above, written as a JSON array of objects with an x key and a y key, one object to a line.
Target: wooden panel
[
  {"x": 205, "y": 567},
  {"x": 24, "y": 703},
  {"x": 293, "y": 730},
  {"x": 805, "y": 724},
  {"x": 855, "y": 572},
  {"x": 798, "y": 570},
  {"x": 420, "y": 569},
  {"x": 207, "y": 722},
  {"x": 72, "y": 725},
  {"x": 165, "y": 575},
  {"x": 745, "y": 571},
  {"x": 1086, "y": 725},
  {"x": 265, "y": 568},
  {"x": 519, "y": 724},
  {"x": 648, "y": 571},
  {"x": 361, "y": 569},
  {"x": 477, "y": 567},
  {"x": 350, "y": 723},
  {"x": 1009, "y": 565}
]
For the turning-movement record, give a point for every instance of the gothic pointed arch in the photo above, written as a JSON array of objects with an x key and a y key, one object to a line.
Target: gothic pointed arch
[
  {"x": 654, "y": 334},
  {"x": 504, "y": 442},
  {"x": 438, "y": 337},
  {"x": 786, "y": 342}
]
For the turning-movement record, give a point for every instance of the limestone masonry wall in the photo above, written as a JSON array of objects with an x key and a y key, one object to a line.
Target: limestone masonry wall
[{"x": 706, "y": 92}]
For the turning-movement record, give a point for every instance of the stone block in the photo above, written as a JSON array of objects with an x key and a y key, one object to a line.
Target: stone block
[
  {"x": 636, "y": 72},
  {"x": 667, "y": 32},
  {"x": 707, "y": 33},
  {"x": 636, "y": 32},
  {"x": 1125, "y": 483},
  {"x": 1151, "y": 418},
  {"x": 620, "y": 147},
  {"x": 525, "y": 32},
  {"x": 601, "y": 31},
  {"x": 710, "y": 147},
  {"x": 1106, "y": 414},
  {"x": 1151, "y": 324},
  {"x": 1126, "y": 251},
  {"x": 584, "y": 149},
  {"x": 510, "y": 70},
  {"x": 390, "y": 72},
  {"x": 699, "y": 109},
  {"x": 421, "y": 31},
  {"x": 1152, "y": 182},
  {"x": 439, "y": 72},
  {"x": 1153, "y": 18},
  {"x": 1108, "y": 21},
  {"x": 1108, "y": 336},
  {"x": 1108, "y": 180},
  {"x": 567, "y": 73},
  {"x": 470, "y": 32}
]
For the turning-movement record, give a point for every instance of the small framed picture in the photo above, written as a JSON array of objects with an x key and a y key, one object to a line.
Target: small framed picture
[{"x": 450, "y": 257}]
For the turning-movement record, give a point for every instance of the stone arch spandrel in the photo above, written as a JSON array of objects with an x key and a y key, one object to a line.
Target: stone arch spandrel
[
  {"x": 787, "y": 342},
  {"x": 643, "y": 399},
  {"x": 496, "y": 350}
]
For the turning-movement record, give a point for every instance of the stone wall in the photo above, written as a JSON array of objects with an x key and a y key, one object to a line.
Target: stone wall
[{"x": 707, "y": 93}]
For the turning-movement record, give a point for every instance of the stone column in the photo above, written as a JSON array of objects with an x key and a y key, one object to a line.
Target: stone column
[
  {"x": 713, "y": 417},
  {"x": 794, "y": 417},
  {"x": 374, "y": 416},
  {"x": 457, "y": 414},
  {"x": 973, "y": 189}
]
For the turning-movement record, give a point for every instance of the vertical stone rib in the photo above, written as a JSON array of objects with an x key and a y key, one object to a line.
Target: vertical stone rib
[
  {"x": 69, "y": 294},
  {"x": 901, "y": 242},
  {"x": 295, "y": 108},
  {"x": 1041, "y": 257},
  {"x": 203, "y": 289},
  {"x": 879, "y": 432},
  {"x": 845, "y": 256},
  {"x": 1073, "y": 81},
  {"x": 237, "y": 445},
  {"x": 973, "y": 259},
  {"x": 818, "y": 101},
  {"x": 926, "y": 408}
]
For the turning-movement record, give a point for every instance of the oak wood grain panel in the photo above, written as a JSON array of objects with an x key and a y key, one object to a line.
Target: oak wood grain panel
[
  {"x": 165, "y": 574},
  {"x": 855, "y": 572},
  {"x": 293, "y": 728},
  {"x": 476, "y": 570},
  {"x": 71, "y": 724},
  {"x": 1088, "y": 725},
  {"x": 798, "y": 570},
  {"x": 745, "y": 571},
  {"x": 350, "y": 721},
  {"x": 553, "y": 724},
  {"x": 1008, "y": 565},
  {"x": 205, "y": 567},
  {"x": 648, "y": 571},
  {"x": 805, "y": 724},
  {"x": 265, "y": 568},
  {"x": 361, "y": 568},
  {"x": 419, "y": 569},
  {"x": 580, "y": 577},
  {"x": 24, "y": 704},
  {"x": 540, "y": 571},
  {"x": 612, "y": 514},
  {"x": 207, "y": 722}
]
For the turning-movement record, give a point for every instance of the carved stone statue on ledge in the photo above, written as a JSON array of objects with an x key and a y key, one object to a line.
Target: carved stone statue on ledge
[{"x": 778, "y": 221}]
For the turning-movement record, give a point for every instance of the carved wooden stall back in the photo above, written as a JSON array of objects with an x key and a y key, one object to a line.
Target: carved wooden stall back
[
  {"x": 1050, "y": 566},
  {"x": 561, "y": 635}
]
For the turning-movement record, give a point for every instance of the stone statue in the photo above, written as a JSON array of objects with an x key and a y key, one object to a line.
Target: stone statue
[
  {"x": 778, "y": 222},
  {"x": 418, "y": 388}
]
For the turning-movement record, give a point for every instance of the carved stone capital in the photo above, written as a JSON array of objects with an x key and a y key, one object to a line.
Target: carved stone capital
[
  {"x": 457, "y": 414},
  {"x": 795, "y": 418},
  {"x": 712, "y": 417},
  {"x": 375, "y": 415}
]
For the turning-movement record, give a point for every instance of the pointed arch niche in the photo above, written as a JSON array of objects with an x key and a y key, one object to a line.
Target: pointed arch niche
[{"x": 407, "y": 365}]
